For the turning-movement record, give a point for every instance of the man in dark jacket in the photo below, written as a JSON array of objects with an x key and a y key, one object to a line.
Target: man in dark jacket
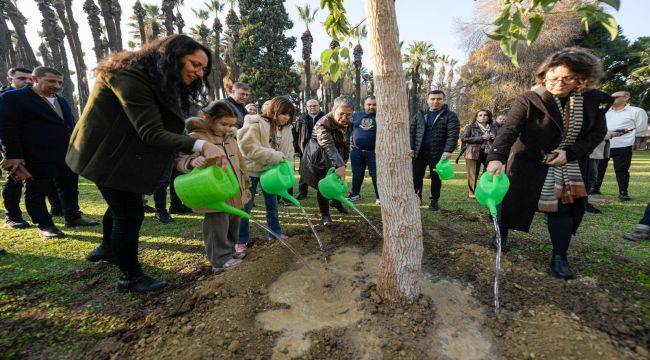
[
  {"x": 35, "y": 128},
  {"x": 301, "y": 134},
  {"x": 434, "y": 134},
  {"x": 362, "y": 154},
  {"x": 239, "y": 96}
]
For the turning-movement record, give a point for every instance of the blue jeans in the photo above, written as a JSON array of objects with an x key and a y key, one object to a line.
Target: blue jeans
[
  {"x": 360, "y": 159},
  {"x": 272, "y": 218},
  {"x": 646, "y": 216}
]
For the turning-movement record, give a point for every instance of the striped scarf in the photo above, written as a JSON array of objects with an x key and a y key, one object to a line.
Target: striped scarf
[{"x": 565, "y": 182}]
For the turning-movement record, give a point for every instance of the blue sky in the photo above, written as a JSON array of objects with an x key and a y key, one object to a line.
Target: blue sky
[{"x": 428, "y": 20}]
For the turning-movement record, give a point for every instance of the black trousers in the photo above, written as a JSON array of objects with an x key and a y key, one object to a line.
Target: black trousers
[
  {"x": 174, "y": 201},
  {"x": 622, "y": 160},
  {"x": 38, "y": 188},
  {"x": 592, "y": 173},
  {"x": 324, "y": 204},
  {"x": 121, "y": 228},
  {"x": 420, "y": 164},
  {"x": 12, "y": 191}
]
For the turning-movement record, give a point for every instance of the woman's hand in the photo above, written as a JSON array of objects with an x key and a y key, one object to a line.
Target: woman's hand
[
  {"x": 198, "y": 162},
  {"x": 212, "y": 152},
  {"x": 558, "y": 160},
  {"x": 340, "y": 172},
  {"x": 495, "y": 167},
  {"x": 487, "y": 137}
]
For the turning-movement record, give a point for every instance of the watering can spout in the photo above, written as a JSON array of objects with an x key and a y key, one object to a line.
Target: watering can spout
[{"x": 278, "y": 179}]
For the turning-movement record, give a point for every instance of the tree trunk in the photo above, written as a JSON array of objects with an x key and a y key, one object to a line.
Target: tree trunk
[
  {"x": 167, "y": 9},
  {"x": 116, "y": 12},
  {"x": 401, "y": 261},
  {"x": 7, "y": 53},
  {"x": 105, "y": 7},
  {"x": 307, "y": 82},
  {"x": 18, "y": 21},
  {"x": 357, "y": 87},
  {"x": 93, "y": 20},
  {"x": 71, "y": 29},
  {"x": 45, "y": 54}
]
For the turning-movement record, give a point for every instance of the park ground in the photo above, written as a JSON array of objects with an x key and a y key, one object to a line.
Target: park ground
[{"x": 53, "y": 304}]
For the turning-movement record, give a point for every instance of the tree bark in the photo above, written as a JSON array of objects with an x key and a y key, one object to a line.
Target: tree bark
[
  {"x": 18, "y": 21},
  {"x": 71, "y": 29},
  {"x": 93, "y": 20},
  {"x": 401, "y": 260},
  {"x": 7, "y": 53},
  {"x": 105, "y": 7}
]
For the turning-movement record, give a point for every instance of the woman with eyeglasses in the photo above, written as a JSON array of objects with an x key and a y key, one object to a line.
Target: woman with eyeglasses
[{"x": 544, "y": 148}]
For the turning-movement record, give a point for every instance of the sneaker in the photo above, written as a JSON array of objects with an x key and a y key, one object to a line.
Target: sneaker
[
  {"x": 433, "y": 205},
  {"x": 138, "y": 284},
  {"x": 238, "y": 255},
  {"x": 640, "y": 233},
  {"x": 624, "y": 197},
  {"x": 81, "y": 221},
  {"x": 240, "y": 248},
  {"x": 377, "y": 202},
  {"x": 230, "y": 264},
  {"x": 52, "y": 232},
  {"x": 163, "y": 217},
  {"x": 20, "y": 224},
  {"x": 592, "y": 209},
  {"x": 354, "y": 197},
  {"x": 149, "y": 209}
]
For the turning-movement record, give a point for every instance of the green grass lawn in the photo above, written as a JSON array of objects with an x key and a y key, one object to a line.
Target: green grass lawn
[{"x": 48, "y": 280}]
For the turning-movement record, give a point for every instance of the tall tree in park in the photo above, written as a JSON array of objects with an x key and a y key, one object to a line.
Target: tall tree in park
[
  {"x": 179, "y": 22},
  {"x": 450, "y": 78},
  {"x": 44, "y": 52},
  {"x": 91, "y": 9},
  {"x": 167, "y": 9},
  {"x": 216, "y": 7},
  {"x": 358, "y": 34},
  {"x": 264, "y": 50},
  {"x": 307, "y": 15},
  {"x": 152, "y": 15},
  {"x": 415, "y": 59},
  {"x": 107, "y": 10},
  {"x": 71, "y": 29},
  {"x": 116, "y": 12},
  {"x": 22, "y": 46},
  {"x": 139, "y": 15},
  {"x": 233, "y": 30},
  {"x": 7, "y": 51}
]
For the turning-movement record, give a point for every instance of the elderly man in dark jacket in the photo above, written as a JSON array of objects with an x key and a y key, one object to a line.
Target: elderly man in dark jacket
[
  {"x": 434, "y": 134},
  {"x": 302, "y": 132},
  {"x": 328, "y": 147},
  {"x": 34, "y": 132}
]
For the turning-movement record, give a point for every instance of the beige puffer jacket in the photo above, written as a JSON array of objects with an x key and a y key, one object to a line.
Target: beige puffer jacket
[
  {"x": 255, "y": 144},
  {"x": 198, "y": 128}
]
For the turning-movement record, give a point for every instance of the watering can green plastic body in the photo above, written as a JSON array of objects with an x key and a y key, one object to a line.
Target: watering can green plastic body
[
  {"x": 333, "y": 188},
  {"x": 444, "y": 169},
  {"x": 209, "y": 188},
  {"x": 278, "y": 179},
  {"x": 491, "y": 189}
]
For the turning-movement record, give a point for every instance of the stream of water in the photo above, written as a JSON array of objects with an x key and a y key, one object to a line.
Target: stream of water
[
  {"x": 311, "y": 226},
  {"x": 367, "y": 220},
  {"x": 497, "y": 265},
  {"x": 277, "y": 237}
]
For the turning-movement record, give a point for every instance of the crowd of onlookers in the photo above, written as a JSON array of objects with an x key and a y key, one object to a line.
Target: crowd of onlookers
[{"x": 140, "y": 131}]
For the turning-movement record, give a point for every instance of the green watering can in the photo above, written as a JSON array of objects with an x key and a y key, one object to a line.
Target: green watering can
[
  {"x": 333, "y": 188},
  {"x": 444, "y": 169},
  {"x": 490, "y": 190},
  {"x": 209, "y": 188},
  {"x": 278, "y": 179}
]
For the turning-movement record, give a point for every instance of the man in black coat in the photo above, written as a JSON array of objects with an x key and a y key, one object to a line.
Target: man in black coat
[
  {"x": 239, "y": 96},
  {"x": 302, "y": 130},
  {"x": 35, "y": 129},
  {"x": 434, "y": 134}
]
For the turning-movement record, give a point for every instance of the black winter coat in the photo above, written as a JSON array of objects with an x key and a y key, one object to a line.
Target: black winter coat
[
  {"x": 302, "y": 131},
  {"x": 444, "y": 131},
  {"x": 534, "y": 128},
  {"x": 328, "y": 147}
]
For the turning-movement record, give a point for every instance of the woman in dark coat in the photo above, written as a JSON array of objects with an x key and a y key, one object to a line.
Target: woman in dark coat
[
  {"x": 328, "y": 147},
  {"x": 129, "y": 129},
  {"x": 477, "y": 141},
  {"x": 546, "y": 142}
]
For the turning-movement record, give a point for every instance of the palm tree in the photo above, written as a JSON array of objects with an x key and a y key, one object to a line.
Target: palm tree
[
  {"x": 116, "y": 12},
  {"x": 358, "y": 34},
  {"x": 450, "y": 77},
  {"x": 415, "y": 58},
  {"x": 178, "y": 20},
  {"x": 105, "y": 7},
  {"x": 216, "y": 7},
  {"x": 18, "y": 21},
  {"x": 66, "y": 17},
  {"x": 444, "y": 59},
  {"x": 138, "y": 15},
  {"x": 307, "y": 15},
  {"x": 152, "y": 14},
  {"x": 233, "y": 24},
  {"x": 7, "y": 51},
  {"x": 95, "y": 28},
  {"x": 168, "y": 14}
]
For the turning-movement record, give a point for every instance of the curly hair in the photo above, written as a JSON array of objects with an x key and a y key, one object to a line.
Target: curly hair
[
  {"x": 583, "y": 63},
  {"x": 161, "y": 59}
]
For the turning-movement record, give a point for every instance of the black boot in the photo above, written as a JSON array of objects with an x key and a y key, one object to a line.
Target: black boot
[
  {"x": 100, "y": 254},
  {"x": 433, "y": 205},
  {"x": 339, "y": 206},
  {"x": 504, "y": 244},
  {"x": 139, "y": 283},
  {"x": 592, "y": 209},
  {"x": 560, "y": 268}
]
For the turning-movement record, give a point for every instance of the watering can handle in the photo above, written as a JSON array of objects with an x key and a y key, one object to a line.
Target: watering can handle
[{"x": 331, "y": 171}]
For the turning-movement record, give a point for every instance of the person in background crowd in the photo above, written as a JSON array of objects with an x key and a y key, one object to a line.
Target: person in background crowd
[
  {"x": 642, "y": 230},
  {"x": 265, "y": 140},
  {"x": 251, "y": 109},
  {"x": 328, "y": 147},
  {"x": 220, "y": 230},
  {"x": 628, "y": 120},
  {"x": 434, "y": 135},
  {"x": 302, "y": 131},
  {"x": 239, "y": 96},
  {"x": 35, "y": 129},
  {"x": 124, "y": 149},
  {"x": 499, "y": 121},
  {"x": 546, "y": 142},
  {"x": 364, "y": 135},
  {"x": 477, "y": 143},
  {"x": 600, "y": 152}
]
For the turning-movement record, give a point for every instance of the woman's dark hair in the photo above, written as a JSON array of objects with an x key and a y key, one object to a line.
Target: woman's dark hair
[
  {"x": 277, "y": 106},
  {"x": 220, "y": 108},
  {"x": 584, "y": 64},
  {"x": 161, "y": 59},
  {"x": 488, "y": 112}
]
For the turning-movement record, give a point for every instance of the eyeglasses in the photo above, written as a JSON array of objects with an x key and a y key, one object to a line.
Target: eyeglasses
[{"x": 565, "y": 80}]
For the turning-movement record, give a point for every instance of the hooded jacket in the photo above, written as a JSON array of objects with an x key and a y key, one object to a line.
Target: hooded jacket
[{"x": 255, "y": 144}]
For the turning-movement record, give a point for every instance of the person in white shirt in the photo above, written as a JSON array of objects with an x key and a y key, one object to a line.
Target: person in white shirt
[{"x": 626, "y": 120}]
